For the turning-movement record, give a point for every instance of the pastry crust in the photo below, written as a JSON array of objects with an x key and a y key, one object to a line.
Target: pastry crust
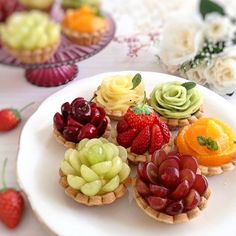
[
  {"x": 162, "y": 217},
  {"x": 60, "y": 139},
  {"x": 85, "y": 39},
  {"x": 36, "y": 56},
  {"x": 146, "y": 157},
  {"x": 97, "y": 200}
]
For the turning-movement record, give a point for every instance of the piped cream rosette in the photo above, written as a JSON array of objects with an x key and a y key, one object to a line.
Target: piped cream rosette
[{"x": 115, "y": 95}]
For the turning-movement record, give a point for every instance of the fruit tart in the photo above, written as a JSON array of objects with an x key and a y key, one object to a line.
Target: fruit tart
[
  {"x": 178, "y": 104},
  {"x": 212, "y": 142},
  {"x": 117, "y": 93},
  {"x": 43, "y": 5},
  {"x": 7, "y": 8},
  {"x": 142, "y": 133},
  {"x": 73, "y": 4},
  {"x": 31, "y": 37},
  {"x": 83, "y": 26},
  {"x": 95, "y": 173},
  {"x": 169, "y": 189},
  {"x": 78, "y": 120}
]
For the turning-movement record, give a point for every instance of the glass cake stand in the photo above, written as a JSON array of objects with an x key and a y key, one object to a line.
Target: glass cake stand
[{"x": 61, "y": 68}]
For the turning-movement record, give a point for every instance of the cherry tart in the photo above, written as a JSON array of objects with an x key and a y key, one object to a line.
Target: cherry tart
[
  {"x": 169, "y": 188},
  {"x": 142, "y": 133},
  {"x": 78, "y": 120}
]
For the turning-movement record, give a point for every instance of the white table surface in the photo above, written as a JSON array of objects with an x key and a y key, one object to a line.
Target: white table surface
[{"x": 16, "y": 92}]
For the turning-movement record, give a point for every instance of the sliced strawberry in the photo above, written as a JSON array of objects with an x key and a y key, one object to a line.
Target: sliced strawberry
[
  {"x": 165, "y": 131},
  {"x": 122, "y": 126},
  {"x": 157, "y": 139},
  {"x": 126, "y": 138},
  {"x": 141, "y": 142}
]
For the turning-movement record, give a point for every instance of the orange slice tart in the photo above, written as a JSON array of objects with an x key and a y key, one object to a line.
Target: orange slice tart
[
  {"x": 211, "y": 141},
  {"x": 83, "y": 26}
]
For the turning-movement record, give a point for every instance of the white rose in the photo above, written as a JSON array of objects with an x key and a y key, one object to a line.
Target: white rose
[
  {"x": 221, "y": 75},
  {"x": 197, "y": 75},
  {"x": 181, "y": 40},
  {"x": 217, "y": 27}
]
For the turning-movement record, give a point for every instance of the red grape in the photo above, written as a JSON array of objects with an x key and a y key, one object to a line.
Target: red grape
[
  {"x": 170, "y": 177},
  {"x": 142, "y": 188},
  {"x": 158, "y": 157},
  {"x": 168, "y": 163},
  {"x": 192, "y": 200},
  {"x": 158, "y": 191},
  {"x": 200, "y": 184},
  {"x": 173, "y": 156},
  {"x": 188, "y": 162},
  {"x": 157, "y": 203},
  {"x": 188, "y": 175},
  {"x": 151, "y": 173},
  {"x": 140, "y": 169},
  {"x": 175, "y": 208},
  {"x": 181, "y": 191}
]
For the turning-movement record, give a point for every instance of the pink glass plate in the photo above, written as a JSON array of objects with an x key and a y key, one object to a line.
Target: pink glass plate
[{"x": 61, "y": 68}]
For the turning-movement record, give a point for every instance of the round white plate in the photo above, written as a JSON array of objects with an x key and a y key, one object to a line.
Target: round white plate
[{"x": 39, "y": 159}]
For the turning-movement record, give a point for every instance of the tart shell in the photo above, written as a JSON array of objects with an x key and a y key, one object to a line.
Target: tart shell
[
  {"x": 162, "y": 217},
  {"x": 85, "y": 39},
  {"x": 146, "y": 157},
  {"x": 60, "y": 139},
  {"x": 97, "y": 200},
  {"x": 37, "y": 56}
]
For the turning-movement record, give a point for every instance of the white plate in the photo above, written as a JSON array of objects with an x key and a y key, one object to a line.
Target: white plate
[{"x": 39, "y": 159}]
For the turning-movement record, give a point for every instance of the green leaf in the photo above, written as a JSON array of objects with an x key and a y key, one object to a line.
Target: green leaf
[
  {"x": 208, "y": 6},
  {"x": 136, "y": 80},
  {"x": 212, "y": 145},
  {"x": 188, "y": 85},
  {"x": 201, "y": 140}
]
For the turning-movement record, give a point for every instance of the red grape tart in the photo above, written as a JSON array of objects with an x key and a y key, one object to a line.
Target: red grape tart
[{"x": 169, "y": 188}]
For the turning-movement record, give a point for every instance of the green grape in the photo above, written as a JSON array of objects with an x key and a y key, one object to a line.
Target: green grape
[
  {"x": 75, "y": 182},
  {"x": 92, "y": 142},
  {"x": 53, "y": 32},
  {"x": 104, "y": 140},
  {"x": 112, "y": 184},
  {"x": 124, "y": 172},
  {"x": 108, "y": 150},
  {"x": 115, "y": 169},
  {"x": 88, "y": 174},
  {"x": 67, "y": 153},
  {"x": 91, "y": 189},
  {"x": 82, "y": 144},
  {"x": 115, "y": 149},
  {"x": 67, "y": 169},
  {"x": 74, "y": 160},
  {"x": 102, "y": 167},
  {"x": 30, "y": 42},
  {"x": 42, "y": 41},
  {"x": 122, "y": 153},
  {"x": 95, "y": 154},
  {"x": 83, "y": 156}
]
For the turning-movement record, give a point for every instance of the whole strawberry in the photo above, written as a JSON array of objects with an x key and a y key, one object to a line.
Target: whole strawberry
[
  {"x": 139, "y": 116},
  {"x": 11, "y": 205},
  {"x": 10, "y": 118}
]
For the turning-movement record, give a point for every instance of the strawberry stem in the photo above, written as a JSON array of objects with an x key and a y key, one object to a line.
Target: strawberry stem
[
  {"x": 3, "y": 174},
  {"x": 23, "y": 108}
]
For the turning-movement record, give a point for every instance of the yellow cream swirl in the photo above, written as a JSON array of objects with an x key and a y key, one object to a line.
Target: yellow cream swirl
[{"x": 116, "y": 94}]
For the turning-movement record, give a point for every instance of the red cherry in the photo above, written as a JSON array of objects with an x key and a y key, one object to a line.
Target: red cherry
[
  {"x": 81, "y": 111},
  {"x": 157, "y": 203},
  {"x": 76, "y": 99},
  {"x": 88, "y": 131},
  {"x": 175, "y": 208},
  {"x": 142, "y": 188},
  {"x": 59, "y": 122},
  {"x": 192, "y": 200},
  {"x": 66, "y": 109},
  {"x": 70, "y": 133},
  {"x": 200, "y": 184},
  {"x": 170, "y": 177},
  {"x": 158, "y": 191},
  {"x": 102, "y": 127},
  {"x": 98, "y": 115},
  {"x": 181, "y": 191},
  {"x": 72, "y": 122}
]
